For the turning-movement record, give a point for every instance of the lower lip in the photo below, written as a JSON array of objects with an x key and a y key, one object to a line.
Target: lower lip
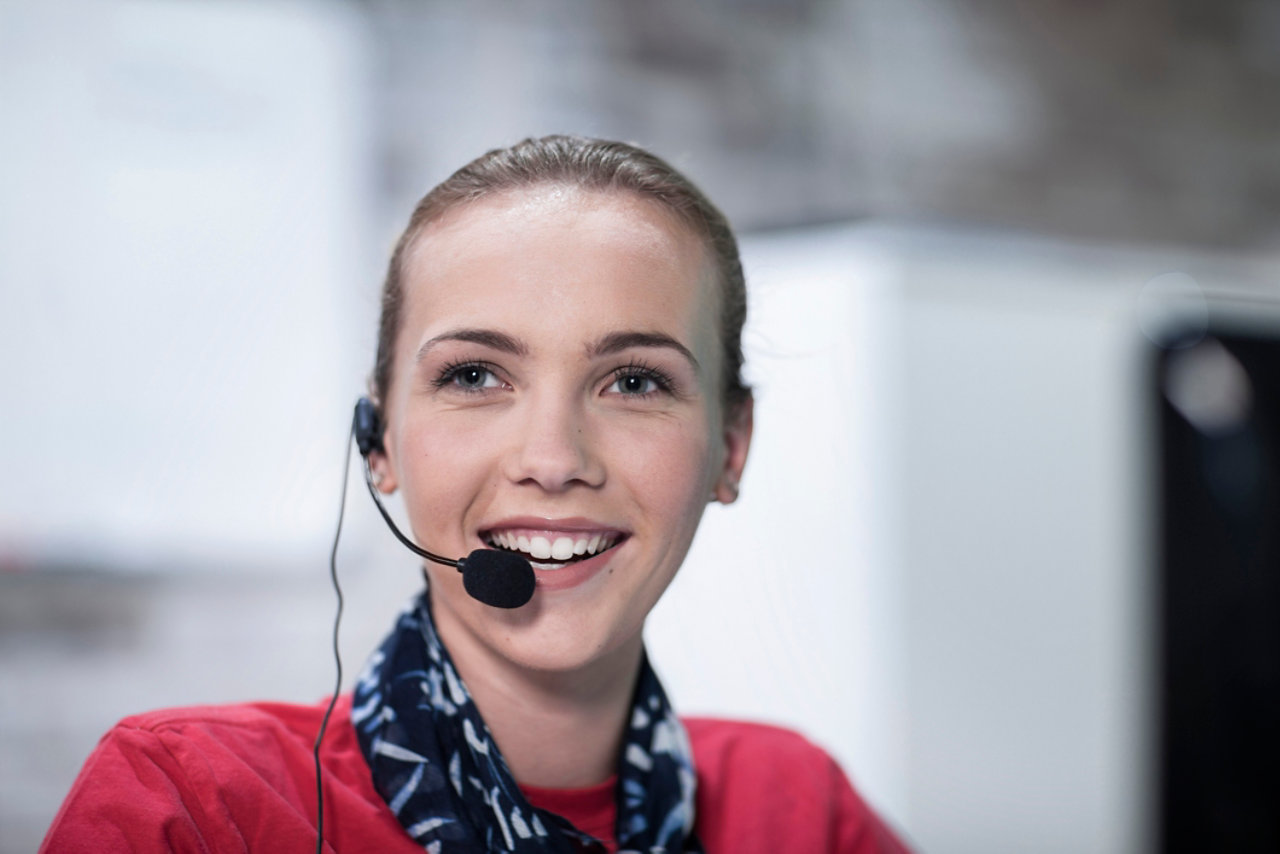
[{"x": 574, "y": 574}]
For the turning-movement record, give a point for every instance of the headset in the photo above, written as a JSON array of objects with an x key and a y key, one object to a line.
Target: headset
[{"x": 499, "y": 579}]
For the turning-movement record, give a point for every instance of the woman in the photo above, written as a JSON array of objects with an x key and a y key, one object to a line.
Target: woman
[{"x": 558, "y": 375}]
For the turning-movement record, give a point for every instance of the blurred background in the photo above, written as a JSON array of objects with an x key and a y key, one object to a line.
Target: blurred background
[{"x": 965, "y": 224}]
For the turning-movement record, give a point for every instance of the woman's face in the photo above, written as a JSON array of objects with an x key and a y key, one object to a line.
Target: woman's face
[{"x": 556, "y": 391}]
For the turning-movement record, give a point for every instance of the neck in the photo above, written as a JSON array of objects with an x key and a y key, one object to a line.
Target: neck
[{"x": 556, "y": 729}]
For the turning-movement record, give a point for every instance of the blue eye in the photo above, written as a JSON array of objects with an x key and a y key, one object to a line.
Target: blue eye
[
  {"x": 471, "y": 376},
  {"x": 634, "y": 383},
  {"x": 468, "y": 377},
  {"x": 640, "y": 381}
]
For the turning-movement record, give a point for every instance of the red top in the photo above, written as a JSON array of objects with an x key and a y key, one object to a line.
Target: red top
[
  {"x": 591, "y": 810},
  {"x": 241, "y": 778}
]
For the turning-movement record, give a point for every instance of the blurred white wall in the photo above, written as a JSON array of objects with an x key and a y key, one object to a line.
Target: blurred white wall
[{"x": 184, "y": 310}]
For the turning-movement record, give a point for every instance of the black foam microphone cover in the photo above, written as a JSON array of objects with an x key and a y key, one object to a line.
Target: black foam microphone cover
[{"x": 496, "y": 578}]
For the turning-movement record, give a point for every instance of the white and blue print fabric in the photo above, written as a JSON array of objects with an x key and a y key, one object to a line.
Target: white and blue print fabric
[{"x": 441, "y": 773}]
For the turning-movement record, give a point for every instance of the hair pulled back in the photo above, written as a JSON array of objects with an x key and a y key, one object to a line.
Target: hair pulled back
[{"x": 589, "y": 164}]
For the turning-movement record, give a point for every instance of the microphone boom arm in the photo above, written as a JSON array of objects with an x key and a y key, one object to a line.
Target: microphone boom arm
[{"x": 409, "y": 544}]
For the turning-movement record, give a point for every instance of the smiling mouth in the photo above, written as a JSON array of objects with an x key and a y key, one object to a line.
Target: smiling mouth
[{"x": 547, "y": 550}]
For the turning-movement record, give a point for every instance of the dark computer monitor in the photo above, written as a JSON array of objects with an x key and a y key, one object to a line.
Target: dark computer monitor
[{"x": 1218, "y": 583}]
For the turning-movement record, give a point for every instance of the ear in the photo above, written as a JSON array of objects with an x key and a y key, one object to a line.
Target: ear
[
  {"x": 738, "y": 423},
  {"x": 384, "y": 473}
]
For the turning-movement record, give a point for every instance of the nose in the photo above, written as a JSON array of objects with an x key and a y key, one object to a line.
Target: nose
[{"x": 554, "y": 447}]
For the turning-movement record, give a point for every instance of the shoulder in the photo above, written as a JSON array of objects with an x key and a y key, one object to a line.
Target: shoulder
[
  {"x": 211, "y": 745},
  {"x": 719, "y": 740},
  {"x": 227, "y": 722},
  {"x": 764, "y": 787},
  {"x": 208, "y": 777},
  {"x": 739, "y": 755},
  {"x": 237, "y": 747}
]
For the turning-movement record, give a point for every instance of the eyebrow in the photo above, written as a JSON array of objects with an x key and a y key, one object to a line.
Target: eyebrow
[
  {"x": 616, "y": 342},
  {"x": 488, "y": 337}
]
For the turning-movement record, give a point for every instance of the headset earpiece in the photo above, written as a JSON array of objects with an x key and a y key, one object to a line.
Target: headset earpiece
[{"x": 367, "y": 427}]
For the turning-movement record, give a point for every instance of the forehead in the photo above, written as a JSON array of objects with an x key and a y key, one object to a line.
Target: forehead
[{"x": 561, "y": 255}]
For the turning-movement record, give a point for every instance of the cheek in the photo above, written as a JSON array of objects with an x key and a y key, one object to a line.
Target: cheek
[
  {"x": 668, "y": 466},
  {"x": 443, "y": 464}
]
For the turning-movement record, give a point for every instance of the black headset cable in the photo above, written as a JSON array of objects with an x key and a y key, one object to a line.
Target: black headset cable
[{"x": 337, "y": 655}]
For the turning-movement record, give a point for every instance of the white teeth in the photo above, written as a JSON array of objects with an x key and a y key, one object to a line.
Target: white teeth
[{"x": 562, "y": 548}]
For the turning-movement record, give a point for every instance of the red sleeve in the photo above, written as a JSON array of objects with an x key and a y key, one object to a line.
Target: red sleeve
[{"x": 132, "y": 796}]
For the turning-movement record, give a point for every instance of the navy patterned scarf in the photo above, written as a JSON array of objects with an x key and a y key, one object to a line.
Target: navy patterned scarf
[{"x": 436, "y": 765}]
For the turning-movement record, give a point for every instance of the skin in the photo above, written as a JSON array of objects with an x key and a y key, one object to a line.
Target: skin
[{"x": 532, "y": 419}]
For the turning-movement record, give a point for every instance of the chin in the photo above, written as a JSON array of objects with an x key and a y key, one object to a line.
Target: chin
[
  {"x": 559, "y": 631},
  {"x": 555, "y": 643}
]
